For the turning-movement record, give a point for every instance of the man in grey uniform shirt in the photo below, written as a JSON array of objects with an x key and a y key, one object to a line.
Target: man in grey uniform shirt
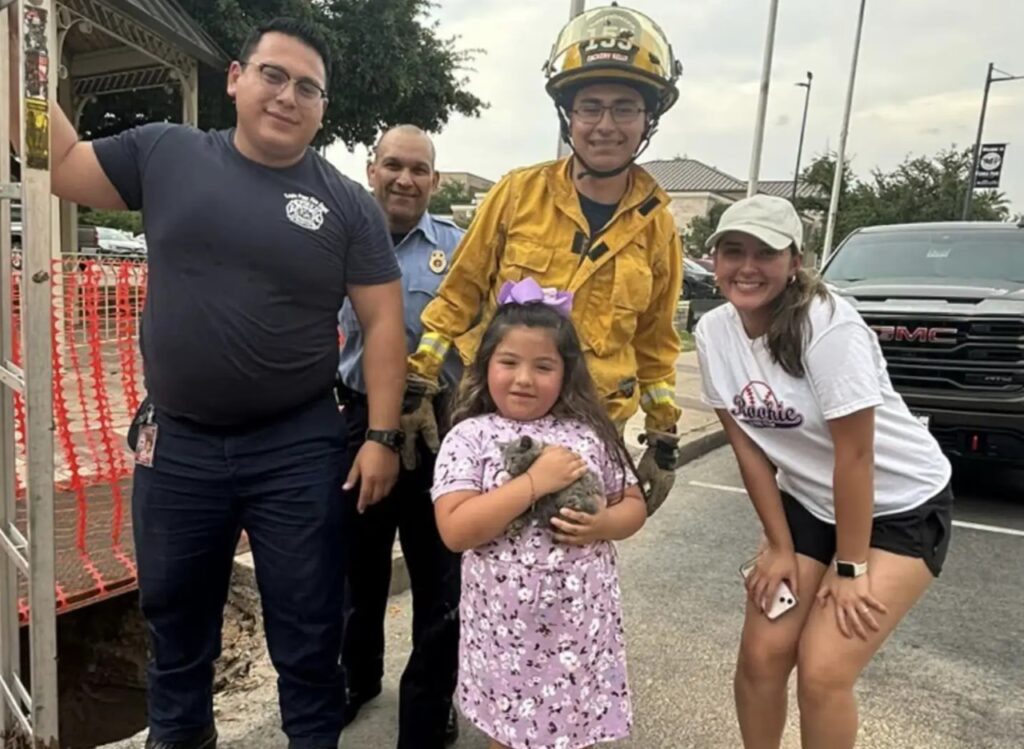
[{"x": 402, "y": 177}]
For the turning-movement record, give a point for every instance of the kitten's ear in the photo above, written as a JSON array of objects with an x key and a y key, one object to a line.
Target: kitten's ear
[{"x": 525, "y": 442}]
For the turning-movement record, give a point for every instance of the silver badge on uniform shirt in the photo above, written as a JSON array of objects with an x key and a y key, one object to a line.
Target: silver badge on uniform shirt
[{"x": 438, "y": 261}]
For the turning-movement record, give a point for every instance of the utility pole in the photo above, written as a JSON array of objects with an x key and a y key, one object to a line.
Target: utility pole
[
  {"x": 762, "y": 104},
  {"x": 576, "y": 8},
  {"x": 803, "y": 128},
  {"x": 837, "y": 180}
]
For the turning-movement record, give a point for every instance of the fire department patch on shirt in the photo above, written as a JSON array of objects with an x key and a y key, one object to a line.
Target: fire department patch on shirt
[
  {"x": 306, "y": 211},
  {"x": 438, "y": 262}
]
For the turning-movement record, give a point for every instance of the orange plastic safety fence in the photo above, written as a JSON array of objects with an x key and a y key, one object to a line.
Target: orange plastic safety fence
[{"x": 97, "y": 388}]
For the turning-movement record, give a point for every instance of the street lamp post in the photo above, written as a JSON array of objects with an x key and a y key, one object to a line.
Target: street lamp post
[
  {"x": 803, "y": 128},
  {"x": 837, "y": 180},
  {"x": 989, "y": 80},
  {"x": 762, "y": 104}
]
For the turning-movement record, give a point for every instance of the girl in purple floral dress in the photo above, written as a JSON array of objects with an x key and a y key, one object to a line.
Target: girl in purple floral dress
[{"x": 542, "y": 662}]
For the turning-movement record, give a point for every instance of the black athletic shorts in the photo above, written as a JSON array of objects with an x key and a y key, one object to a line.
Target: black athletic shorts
[{"x": 922, "y": 532}]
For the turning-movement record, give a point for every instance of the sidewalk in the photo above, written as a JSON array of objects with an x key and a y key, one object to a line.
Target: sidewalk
[{"x": 698, "y": 427}]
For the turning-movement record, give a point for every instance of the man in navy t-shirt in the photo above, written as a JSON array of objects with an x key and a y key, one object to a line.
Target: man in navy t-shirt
[{"x": 255, "y": 241}]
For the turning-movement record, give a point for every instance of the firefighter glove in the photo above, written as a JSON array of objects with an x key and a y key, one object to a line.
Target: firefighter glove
[
  {"x": 657, "y": 468},
  {"x": 418, "y": 419}
]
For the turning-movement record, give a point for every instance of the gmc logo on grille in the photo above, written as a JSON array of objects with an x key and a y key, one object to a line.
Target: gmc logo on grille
[{"x": 903, "y": 334}]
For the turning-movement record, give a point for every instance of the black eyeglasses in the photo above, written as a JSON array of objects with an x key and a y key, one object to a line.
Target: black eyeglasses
[
  {"x": 276, "y": 78},
  {"x": 623, "y": 112}
]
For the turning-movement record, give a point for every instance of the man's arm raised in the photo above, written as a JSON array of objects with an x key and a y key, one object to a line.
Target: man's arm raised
[{"x": 75, "y": 172}]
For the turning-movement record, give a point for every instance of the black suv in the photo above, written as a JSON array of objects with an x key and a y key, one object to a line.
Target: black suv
[{"x": 947, "y": 303}]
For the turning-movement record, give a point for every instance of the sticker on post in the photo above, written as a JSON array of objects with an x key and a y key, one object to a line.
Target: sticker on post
[
  {"x": 37, "y": 134},
  {"x": 37, "y": 76},
  {"x": 37, "y": 59},
  {"x": 34, "y": 30},
  {"x": 145, "y": 447}
]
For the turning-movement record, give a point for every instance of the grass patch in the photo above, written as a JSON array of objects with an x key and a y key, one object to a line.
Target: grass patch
[{"x": 686, "y": 341}]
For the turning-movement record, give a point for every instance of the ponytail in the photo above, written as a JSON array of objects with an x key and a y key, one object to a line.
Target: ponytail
[{"x": 787, "y": 331}]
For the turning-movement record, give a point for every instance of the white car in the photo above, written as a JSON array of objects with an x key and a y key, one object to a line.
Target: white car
[{"x": 107, "y": 241}]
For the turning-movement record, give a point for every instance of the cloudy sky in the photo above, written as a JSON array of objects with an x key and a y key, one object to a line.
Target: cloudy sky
[{"x": 919, "y": 82}]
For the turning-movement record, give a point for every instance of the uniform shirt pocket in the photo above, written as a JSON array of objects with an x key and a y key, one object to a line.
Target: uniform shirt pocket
[
  {"x": 523, "y": 259},
  {"x": 611, "y": 323}
]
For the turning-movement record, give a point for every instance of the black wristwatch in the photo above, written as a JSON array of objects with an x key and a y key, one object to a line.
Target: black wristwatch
[{"x": 393, "y": 438}]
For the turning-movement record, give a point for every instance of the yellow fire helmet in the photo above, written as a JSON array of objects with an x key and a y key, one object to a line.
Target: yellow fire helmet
[{"x": 613, "y": 44}]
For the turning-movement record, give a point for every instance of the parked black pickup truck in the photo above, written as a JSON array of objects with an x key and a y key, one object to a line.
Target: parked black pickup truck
[{"x": 947, "y": 303}]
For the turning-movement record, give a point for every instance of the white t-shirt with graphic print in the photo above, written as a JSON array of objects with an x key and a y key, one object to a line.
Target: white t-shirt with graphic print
[{"x": 787, "y": 416}]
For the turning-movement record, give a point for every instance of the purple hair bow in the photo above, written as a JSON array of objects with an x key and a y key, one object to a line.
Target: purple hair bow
[{"x": 528, "y": 290}]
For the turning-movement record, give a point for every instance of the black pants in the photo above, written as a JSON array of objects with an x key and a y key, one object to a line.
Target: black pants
[
  {"x": 281, "y": 483},
  {"x": 429, "y": 679}
]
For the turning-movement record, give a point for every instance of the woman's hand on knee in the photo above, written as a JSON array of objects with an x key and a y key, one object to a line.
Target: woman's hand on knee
[{"x": 855, "y": 606}]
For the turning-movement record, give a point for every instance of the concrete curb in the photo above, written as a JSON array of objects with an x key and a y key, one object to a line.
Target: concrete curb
[
  {"x": 700, "y": 442},
  {"x": 399, "y": 572},
  {"x": 692, "y": 445}
]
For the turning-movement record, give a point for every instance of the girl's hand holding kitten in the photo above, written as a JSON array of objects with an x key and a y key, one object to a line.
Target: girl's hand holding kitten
[
  {"x": 580, "y": 528},
  {"x": 556, "y": 468}
]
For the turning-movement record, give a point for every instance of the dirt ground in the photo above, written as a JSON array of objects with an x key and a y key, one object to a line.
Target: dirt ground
[{"x": 102, "y": 667}]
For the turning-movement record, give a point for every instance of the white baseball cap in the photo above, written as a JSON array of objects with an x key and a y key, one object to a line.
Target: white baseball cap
[{"x": 772, "y": 220}]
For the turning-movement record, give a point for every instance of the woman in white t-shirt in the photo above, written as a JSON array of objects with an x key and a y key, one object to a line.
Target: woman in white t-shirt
[{"x": 852, "y": 491}]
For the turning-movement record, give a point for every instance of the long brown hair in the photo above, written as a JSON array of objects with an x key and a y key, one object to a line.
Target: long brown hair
[
  {"x": 787, "y": 329},
  {"x": 578, "y": 399}
]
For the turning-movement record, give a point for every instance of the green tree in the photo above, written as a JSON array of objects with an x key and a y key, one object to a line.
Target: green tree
[
  {"x": 129, "y": 221},
  {"x": 819, "y": 174},
  {"x": 450, "y": 193},
  {"x": 933, "y": 189},
  {"x": 922, "y": 188},
  {"x": 391, "y": 66},
  {"x": 700, "y": 228}
]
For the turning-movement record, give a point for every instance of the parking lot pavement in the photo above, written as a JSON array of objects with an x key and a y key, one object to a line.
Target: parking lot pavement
[{"x": 951, "y": 677}]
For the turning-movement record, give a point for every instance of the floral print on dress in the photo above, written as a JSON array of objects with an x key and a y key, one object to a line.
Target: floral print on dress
[{"x": 542, "y": 661}]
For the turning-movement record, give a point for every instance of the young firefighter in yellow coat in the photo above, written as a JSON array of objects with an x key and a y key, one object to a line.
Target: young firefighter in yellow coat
[{"x": 594, "y": 224}]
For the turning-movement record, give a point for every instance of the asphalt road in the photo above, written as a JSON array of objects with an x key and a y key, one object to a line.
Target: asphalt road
[{"x": 952, "y": 675}]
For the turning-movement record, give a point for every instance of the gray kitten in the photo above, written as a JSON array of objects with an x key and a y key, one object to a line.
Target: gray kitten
[{"x": 582, "y": 495}]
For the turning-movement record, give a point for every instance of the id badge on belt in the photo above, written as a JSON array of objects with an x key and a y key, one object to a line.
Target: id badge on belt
[{"x": 145, "y": 445}]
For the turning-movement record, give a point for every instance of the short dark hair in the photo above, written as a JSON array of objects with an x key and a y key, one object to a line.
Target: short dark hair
[{"x": 304, "y": 31}]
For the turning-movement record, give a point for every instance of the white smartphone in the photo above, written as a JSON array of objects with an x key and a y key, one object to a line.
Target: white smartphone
[{"x": 784, "y": 599}]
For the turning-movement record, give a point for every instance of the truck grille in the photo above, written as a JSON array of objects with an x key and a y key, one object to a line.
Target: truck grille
[{"x": 969, "y": 355}]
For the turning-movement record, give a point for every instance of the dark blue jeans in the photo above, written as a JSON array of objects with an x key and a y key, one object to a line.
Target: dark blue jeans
[
  {"x": 281, "y": 483},
  {"x": 431, "y": 674}
]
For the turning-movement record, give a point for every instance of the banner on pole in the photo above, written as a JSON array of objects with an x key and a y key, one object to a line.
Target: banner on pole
[{"x": 990, "y": 165}]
